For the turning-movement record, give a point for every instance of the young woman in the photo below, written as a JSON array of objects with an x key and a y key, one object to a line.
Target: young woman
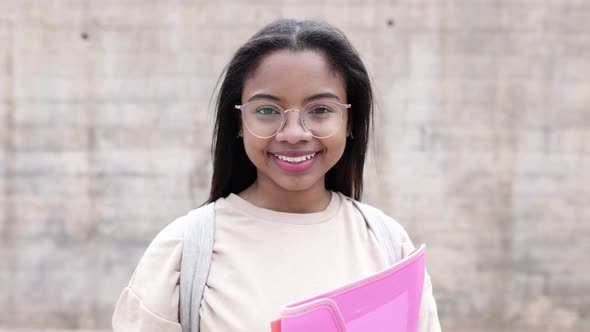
[{"x": 292, "y": 126}]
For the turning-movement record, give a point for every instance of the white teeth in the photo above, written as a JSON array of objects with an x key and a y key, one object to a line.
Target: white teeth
[{"x": 295, "y": 159}]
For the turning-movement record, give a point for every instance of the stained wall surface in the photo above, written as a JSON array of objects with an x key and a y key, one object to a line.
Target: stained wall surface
[{"x": 481, "y": 148}]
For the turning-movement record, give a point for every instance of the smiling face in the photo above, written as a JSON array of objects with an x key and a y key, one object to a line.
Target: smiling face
[{"x": 293, "y": 160}]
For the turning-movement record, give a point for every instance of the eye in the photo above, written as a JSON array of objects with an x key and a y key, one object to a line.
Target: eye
[
  {"x": 321, "y": 109},
  {"x": 266, "y": 110}
]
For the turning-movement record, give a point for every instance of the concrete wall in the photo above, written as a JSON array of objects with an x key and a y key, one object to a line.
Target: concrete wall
[{"x": 482, "y": 145}]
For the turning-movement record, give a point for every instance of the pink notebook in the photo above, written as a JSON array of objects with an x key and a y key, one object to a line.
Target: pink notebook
[{"x": 388, "y": 301}]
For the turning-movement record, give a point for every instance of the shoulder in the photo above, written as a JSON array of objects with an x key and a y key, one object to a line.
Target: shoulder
[
  {"x": 156, "y": 278},
  {"x": 373, "y": 214},
  {"x": 175, "y": 230}
]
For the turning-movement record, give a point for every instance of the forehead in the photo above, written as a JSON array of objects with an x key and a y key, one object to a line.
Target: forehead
[{"x": 294, "y": 75}]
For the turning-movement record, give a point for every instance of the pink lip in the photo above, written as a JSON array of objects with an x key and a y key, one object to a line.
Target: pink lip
[{"x": 290, "y": 167}]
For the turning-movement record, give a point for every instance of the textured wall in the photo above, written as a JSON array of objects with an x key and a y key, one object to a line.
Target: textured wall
[{"x": 482, "y": 145}]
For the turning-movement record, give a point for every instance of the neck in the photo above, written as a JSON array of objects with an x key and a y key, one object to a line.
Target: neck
[{"x": 311, "y": 200}]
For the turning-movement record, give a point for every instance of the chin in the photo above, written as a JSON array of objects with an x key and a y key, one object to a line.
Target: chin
[{"x": 298, "y": 186}]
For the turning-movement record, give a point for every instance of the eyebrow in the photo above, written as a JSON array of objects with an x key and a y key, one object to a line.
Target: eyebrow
[
  {"x": 264, "y": 96},
  {"x": 321, "y": 96},
  {"x": 307, "y": 99}
]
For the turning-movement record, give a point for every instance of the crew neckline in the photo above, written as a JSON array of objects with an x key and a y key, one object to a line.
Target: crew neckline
[{"x": 328, "y": 213}]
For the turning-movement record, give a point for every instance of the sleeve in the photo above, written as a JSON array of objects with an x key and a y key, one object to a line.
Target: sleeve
[
  {"x": 150, "y": 301},
  {"x": 428, "y": 321}
]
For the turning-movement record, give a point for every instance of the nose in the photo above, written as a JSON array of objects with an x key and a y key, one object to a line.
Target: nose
[{"x": 293, "y": 130}]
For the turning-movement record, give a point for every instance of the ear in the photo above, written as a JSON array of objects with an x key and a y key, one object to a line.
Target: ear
[
  {"x": 349, "y": 127},
  {"x": 240, "y": 132}
]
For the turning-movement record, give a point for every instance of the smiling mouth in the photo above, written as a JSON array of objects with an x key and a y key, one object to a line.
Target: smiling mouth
[{"x": 295, "y": 160}]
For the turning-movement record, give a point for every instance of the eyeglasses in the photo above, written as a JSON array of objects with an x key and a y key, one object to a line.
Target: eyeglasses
[{"x": 264, "y": 119}]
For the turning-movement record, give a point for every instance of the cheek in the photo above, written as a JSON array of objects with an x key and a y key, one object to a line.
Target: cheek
[
  {"x": 254, "y": 146},
  {"x": 336, "y": 145}
]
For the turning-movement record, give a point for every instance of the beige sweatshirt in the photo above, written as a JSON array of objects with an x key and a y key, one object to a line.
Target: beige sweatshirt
[{"x": 262, "y": 259}]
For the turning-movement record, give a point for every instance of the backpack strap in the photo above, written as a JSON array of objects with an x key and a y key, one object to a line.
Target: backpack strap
[
  {"x": 197, "y": 249},
  {"x": 383, "y": 230}
]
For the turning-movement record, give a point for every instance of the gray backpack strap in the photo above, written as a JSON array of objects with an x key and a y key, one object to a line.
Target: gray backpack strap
[
  {"x": 197, "y": 250},
  {"x": 384, "y": 231}
]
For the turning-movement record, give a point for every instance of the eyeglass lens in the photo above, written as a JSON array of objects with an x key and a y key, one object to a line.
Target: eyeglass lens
[{"x": 264, "y": 119}]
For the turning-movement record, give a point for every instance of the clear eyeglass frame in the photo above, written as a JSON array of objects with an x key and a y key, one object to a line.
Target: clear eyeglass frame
[{"x": 341, "y": 107}]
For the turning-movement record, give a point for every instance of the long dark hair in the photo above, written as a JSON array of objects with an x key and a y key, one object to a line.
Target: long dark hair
[{"x": 232, "y": 170}]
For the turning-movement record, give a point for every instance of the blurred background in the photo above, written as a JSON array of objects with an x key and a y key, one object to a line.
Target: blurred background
[{"x": 481, "y": 146}]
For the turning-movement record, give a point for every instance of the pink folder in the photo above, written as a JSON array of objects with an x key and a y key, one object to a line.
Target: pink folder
[{"x": 386, "y": 301}]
